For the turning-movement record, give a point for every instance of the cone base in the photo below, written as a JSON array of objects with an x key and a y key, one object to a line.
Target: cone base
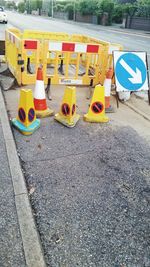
[
  {"x": 26, "y": 130},
  {"x": 110, "y": 109},
  {"x": 65, "y": 122},
  {"x": 88, "y": 118},
  {"x": 44, "y": 113}
]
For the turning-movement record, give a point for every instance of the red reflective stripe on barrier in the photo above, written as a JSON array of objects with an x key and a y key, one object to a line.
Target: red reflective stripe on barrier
[
  {"x": 68, "y": 47},
  {"x": 14, "y": 39},
  {"x": 92, "y": 48},
  {"x": 30, "y": 44},
  {"x": 40, "y": 104}
]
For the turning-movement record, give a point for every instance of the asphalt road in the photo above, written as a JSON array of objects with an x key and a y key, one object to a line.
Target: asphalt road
[
  {"x": 130, "y": 39},
  {"x": 90, "y": 194}
]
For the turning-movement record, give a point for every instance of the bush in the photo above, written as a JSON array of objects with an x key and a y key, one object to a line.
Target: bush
[
  {"x": 117, "y": 16},
  {"x": 2, "y": 3},
  {"x": 106, "y": 6},
  {"x": 69, "y": 8},
  {"x": 87, "y": 7},
  {"x": 59, "y": 8},
  {"x": 11, "y": 5},
  {"x": 143, "y": 8},
  {"x": 130, "y": 9},
  {"x": 21, "y": 7}
]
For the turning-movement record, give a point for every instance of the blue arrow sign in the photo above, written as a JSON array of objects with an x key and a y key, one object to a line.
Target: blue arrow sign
[{"x": 131, "y": 71}]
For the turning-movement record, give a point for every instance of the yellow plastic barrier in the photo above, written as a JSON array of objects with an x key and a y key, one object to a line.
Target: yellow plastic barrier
[
  {"x": 66, "y": 59},
  {"x": 13, "y": 54},
  {"x": 73, "y": 62}
]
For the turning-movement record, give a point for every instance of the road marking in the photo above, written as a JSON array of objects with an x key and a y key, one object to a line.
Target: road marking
[{"x": 128, "y": 33}]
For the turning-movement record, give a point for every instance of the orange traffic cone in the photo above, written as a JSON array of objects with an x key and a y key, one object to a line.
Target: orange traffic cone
[
  {"x": 107, "y": 85},
  {"x": 40, "y": 104}
]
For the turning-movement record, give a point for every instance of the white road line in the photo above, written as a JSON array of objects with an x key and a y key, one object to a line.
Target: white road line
[{"x": 128, "y": 33}]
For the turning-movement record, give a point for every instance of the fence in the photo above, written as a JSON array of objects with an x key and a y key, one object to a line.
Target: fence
[
  {"x": 66, "y": 59},
  {"x": 138, "y": 23}
]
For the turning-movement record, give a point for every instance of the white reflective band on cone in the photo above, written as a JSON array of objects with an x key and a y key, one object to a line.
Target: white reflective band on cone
[
  {"x": 107, "y": 85},
  {"x": 39, "y": 91}
]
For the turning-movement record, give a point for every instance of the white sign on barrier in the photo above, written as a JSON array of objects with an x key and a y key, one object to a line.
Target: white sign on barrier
[{"x": 70, "y": 81}]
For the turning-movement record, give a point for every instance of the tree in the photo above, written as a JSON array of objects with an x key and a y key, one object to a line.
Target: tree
[
  {"x": 117, "y": 16},
  {"x": 11, "y": 5},
  {"x": 28, "y": 6},
  {"x": 34, "y": 5},
  {"x": 2, "y": 3},
  {"x": 21, "y": 7},
  {"x": 39, "y": 6},
  {"x": 143, "y": 8},
  {"x": 130, "y": 9},
  {"x": 87, "y": 7},
  {"x": 106, "y": 6},
  {"x": 70, "y": 8},
  {"x": 59, "y": 7}
]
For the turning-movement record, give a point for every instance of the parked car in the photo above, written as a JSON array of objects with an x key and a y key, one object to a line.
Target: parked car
[{"x": 3, "y": 16}]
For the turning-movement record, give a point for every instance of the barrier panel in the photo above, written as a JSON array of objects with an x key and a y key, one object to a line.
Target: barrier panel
[
  {"x": 13, "y": 54},
  {"x": 66, "y": 59},
  {"x": 73, "y": 63},
  {"x": 31, "y": 59}
]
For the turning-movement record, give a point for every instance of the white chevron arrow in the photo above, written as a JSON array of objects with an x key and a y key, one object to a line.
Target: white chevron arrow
[{"x": 136, "y": 76}]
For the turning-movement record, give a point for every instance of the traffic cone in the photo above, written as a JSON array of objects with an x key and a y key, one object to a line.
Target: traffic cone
[
  {"x": 40, "y": 104},
  {"x": 26, "y": 121},
  {"x": 96, "y": 111},
  {"x": 67, "y": 115},
  {"x": 107, "y": 85}
]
